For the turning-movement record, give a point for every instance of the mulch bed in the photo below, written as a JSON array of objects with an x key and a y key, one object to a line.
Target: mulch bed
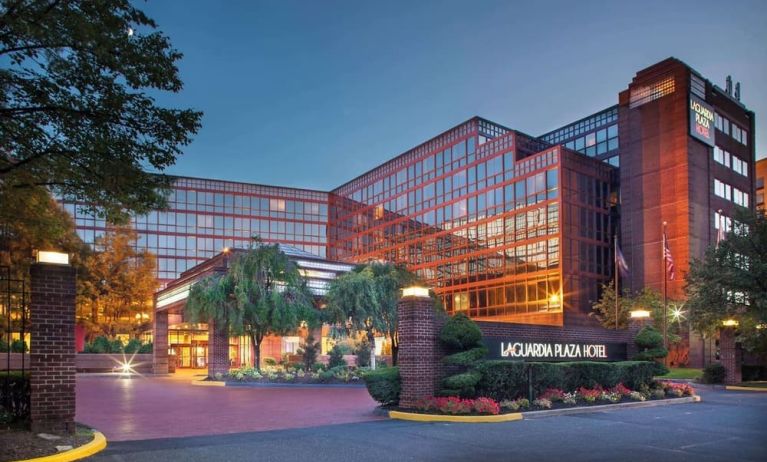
[{"x": 18, "y": 444}]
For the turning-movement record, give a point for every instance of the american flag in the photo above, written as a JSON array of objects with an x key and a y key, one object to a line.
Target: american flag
[
  {"x": 667, "y": 258},
  {"x": 620, "y": 262}
]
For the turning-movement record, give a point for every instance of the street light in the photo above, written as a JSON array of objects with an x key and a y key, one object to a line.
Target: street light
[{"x": 730, "y": 323}]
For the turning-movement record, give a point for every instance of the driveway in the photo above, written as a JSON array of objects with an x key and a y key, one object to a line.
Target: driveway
[
  {"x": 149, "y": 407},
  {"x": 726, "y": 426}
]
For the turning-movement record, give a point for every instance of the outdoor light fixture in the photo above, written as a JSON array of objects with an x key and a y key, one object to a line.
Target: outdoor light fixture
[
  {"x": 125, "y": 368},
  {"x": 730, "y": 323},
  {"x": 57, "y": 258},
  {"x": 415, "y": 291},
  {"x": 639, "y": 314},
  {"x": 554, "y": 299},
  {"x": 677, "y": 313}
]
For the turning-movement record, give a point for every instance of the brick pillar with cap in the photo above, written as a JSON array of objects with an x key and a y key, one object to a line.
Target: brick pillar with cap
[
  {"x": 52, "y": 349},
  {"x": 418, "y": 353},
  {"x": 218, "y": 349},
  {"x": 160, "y": 339},
  {"x": 730, "y": 355}
]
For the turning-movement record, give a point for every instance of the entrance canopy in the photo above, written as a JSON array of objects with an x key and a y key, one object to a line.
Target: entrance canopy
[{"x": 317, "y": 271}]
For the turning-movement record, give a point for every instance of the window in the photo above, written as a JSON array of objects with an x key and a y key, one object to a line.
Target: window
[{"x": 277, "y": 205}]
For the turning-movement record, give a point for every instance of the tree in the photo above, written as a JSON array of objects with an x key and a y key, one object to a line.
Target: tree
[
  {"x": 270, "y": 293},
  {"x": 116, "y": 285},
  {"x": 33, "y": 221},
  {"x": 731, "y": 282},
  {"x": 366, "y": 299},
  {"x": 75, "y": 112},
  {"x": 604, "y": 308},
  {"x": 646, "y": 299}
]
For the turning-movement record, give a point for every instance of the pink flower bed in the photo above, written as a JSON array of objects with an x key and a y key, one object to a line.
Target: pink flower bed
[{"x": 454, "y": 405}]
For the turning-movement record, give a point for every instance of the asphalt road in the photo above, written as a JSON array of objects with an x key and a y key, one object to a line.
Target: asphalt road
[{"x": 726, "y": 426}]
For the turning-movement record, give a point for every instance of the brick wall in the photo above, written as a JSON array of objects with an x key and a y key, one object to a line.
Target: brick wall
[
  {"x": 52, "y": 349},
  {"x": 218, "y": 350}
]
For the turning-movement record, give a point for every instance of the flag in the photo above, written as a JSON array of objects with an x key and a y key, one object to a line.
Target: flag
[
  {"x": 620, "y": 262},
  {"x": 667, "y": 258}
]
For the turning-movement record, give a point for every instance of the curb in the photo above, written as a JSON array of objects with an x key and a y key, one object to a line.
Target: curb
[
  {"x": 292, "y": 385},
  {"x": 216, "y": 383},
  {"x": 609, "y": 407},
  {"x": 98, "y": 444},
  {"x": 208, "y": 383},
  {"x": 737, "y": 388},
  {"x": 414, "y": 417}
]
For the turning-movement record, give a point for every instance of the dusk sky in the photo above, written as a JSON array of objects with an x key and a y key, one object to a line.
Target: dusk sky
[{"x": 311, "y": 94}]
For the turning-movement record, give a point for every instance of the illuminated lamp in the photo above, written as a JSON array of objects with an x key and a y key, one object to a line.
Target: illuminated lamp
[
  {"x": 730, "y": 323},
  {"x": 56, "y": 258},
  {"x": 554, "y": 299},
  {"x": 639, "y": 314},
  {"x": 415, "y": 291}
]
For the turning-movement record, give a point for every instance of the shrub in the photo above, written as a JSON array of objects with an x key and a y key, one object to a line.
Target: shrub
[
  {"x": 486, "y": 406},
  {"x": 610, "y": 396},
  {"x": 270, "y": 362},
  {"x": 363, "y": 354},
  {"x": 16, "y": 403},
  {"x": 317, "y": 367},
  {"x": 677, "y": 389},
  {"x": 714, "y": 373},
  {"x": 553, "y": 395},
  {"x": 650, "y": 344},
  {"x": 516, "y": 404},
  {"x": 636, "y": 396},
  {"x": 460, "y": 333},
  {"x": 542, "y": 403},
  {"x": 311, "y": 350},
  {"x": 336, "y": 357},
  {"x": 146, "y": 348},
  {"x": 502, "y": 380},
  {"x": 658, "y": 394},
  {"x": 383, "y": 385},
  {"x": 570, "y": 398},
  {"x": 621, "y": 390},
  {"x": 507, "y": 380},
  {"x": 16, "y": 346},
  {"x": 462, "y": 336},
  {"x": 590, "y": 395},
  {"x": 132, "y": 346}
]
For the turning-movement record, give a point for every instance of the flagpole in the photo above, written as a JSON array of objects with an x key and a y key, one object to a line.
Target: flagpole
[
  {"x": 665, "y": 294},
  {"x": 615, "y": 266}
]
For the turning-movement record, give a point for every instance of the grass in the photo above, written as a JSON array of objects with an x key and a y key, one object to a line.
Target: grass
[{"x": 683, "y": 373}]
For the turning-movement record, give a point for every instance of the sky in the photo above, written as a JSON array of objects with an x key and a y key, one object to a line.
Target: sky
[{"x": 311, "y": 93}]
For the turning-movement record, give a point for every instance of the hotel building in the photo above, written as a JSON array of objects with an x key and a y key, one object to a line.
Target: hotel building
[{"x": 514, "y": 230}]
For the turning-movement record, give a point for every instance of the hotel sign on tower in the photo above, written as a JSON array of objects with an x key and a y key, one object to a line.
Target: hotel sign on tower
[{"x": 701, "y": 120}]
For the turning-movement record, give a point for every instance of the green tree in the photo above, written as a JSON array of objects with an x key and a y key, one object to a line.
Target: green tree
[
  {"x": 604, "y": 309},
  {"x": 731, "y": 282},
  {"x": 365, "y": 299},
  {"x": 116, "y": 285},
  {"x": 76, "y": 114}
]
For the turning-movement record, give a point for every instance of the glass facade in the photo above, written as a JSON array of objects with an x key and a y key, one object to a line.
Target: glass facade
[
  {"x": 476, "y": 212},
  {"x": 595, "y": 136},
  {"x": 205, "y": 216}
]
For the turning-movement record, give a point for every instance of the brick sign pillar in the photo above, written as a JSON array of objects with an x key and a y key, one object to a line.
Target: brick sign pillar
[
  {"x": 160, "y": 339},
  {"x": 52, "y": 349},
  {"x": 417, "y": 358},
  {"x": 218, "y": 350},
  {"x": 731, "y": 355}
]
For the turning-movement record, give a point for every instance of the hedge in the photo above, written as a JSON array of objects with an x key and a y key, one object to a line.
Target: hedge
[
  {"x": 384, "y": 385},
  {"x": 503, "y": 380}
]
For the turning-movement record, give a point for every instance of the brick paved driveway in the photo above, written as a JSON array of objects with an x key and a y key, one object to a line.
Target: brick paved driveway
[{"x": 160, "y": 407}]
